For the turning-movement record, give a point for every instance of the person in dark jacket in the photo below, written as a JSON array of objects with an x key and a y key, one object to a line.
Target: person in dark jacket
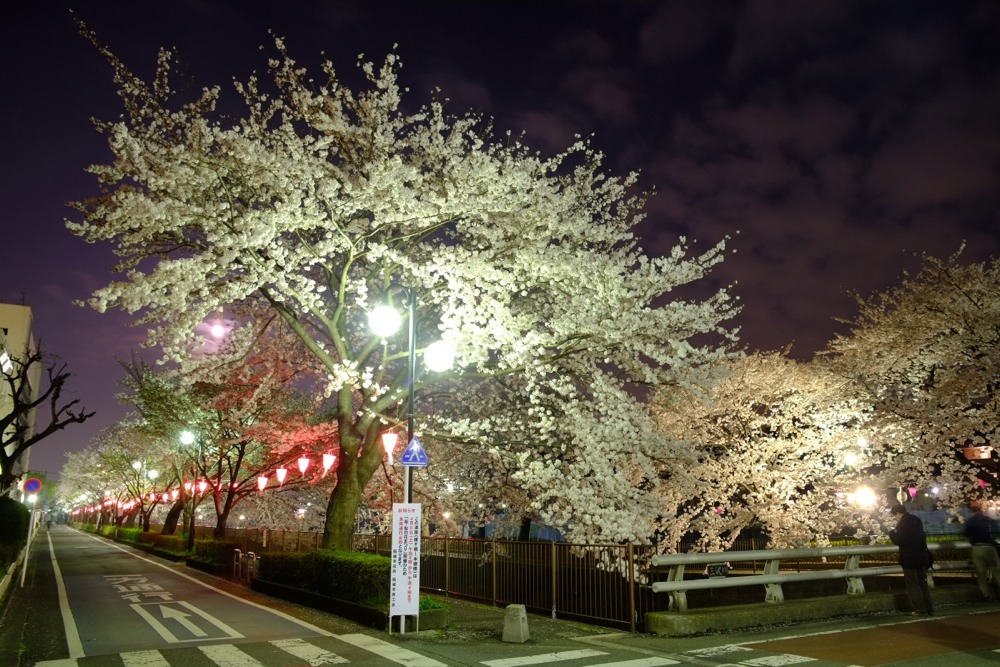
[
  {"x": 914, "y": 558},
  {"x": 979, "y": 532}
]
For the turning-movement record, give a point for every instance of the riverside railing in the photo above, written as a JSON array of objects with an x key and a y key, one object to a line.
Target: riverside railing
[{"x": 800, "y": 565}]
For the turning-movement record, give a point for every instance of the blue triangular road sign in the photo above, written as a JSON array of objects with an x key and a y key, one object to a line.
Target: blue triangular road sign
[{"x": 414, "y": 455}]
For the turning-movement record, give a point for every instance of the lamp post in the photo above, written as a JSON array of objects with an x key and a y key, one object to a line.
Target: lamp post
[
  {"x": 384, "y": 321},
  {"x": 188, "y": 438}
]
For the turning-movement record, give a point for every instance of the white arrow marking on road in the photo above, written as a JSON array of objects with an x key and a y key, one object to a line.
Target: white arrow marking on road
[
  {"x": 168, "y": 636},
  {"x": 182, "y": 618}
]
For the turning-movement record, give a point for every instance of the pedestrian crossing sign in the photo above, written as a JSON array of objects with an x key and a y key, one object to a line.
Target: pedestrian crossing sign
[{"x": 414, "y": 456}]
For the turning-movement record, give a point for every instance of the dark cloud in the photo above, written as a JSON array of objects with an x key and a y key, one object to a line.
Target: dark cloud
[{"x": 829, "y": 140}]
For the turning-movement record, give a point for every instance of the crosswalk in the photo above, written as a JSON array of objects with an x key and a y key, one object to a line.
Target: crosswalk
[
  {"x": 312, "y": 652},
  {"x": 361, "y": 649},
  {"x": 357, "y": 648}
]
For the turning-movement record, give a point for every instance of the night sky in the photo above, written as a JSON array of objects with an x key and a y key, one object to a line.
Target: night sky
[{"x": 831, "y": 139}]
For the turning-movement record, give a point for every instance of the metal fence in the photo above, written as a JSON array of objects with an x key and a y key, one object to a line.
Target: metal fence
[{"x": 601, "y": 584}]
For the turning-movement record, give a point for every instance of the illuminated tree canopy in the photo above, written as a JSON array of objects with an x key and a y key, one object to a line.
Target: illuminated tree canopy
[{"x": 317, "y": 199}]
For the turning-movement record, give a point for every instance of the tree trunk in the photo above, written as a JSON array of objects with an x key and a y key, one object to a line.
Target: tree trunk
[
  {"x": 170, "y": 523},
  {"x": 220, "y": 525},
  {"x": 222, "y": 511},
  {"x": 340, "y": 513}
]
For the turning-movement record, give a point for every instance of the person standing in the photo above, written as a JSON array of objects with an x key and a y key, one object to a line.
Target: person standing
[
  {"x": 979, "y": 532},
  {"x": 914, "y": 558}
]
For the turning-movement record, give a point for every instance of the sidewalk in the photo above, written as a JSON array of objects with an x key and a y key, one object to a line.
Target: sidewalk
[{"x": 471, "y": 621}]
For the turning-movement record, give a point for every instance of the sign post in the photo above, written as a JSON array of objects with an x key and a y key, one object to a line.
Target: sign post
[{"x": 404, "y": 592}]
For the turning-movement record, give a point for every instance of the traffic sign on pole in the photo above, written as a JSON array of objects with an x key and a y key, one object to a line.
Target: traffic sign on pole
[{"x": 414, "y": 456}]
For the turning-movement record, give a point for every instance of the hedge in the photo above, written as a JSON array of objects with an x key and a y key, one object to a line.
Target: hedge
[
  {"x": 345, "y": 575},
  {"x": 14, "y": 521}
]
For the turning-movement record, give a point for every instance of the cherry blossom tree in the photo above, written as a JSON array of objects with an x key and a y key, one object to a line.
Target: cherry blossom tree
[
  {"x": 926, "y": 355},
  {"x": 320, "y": 202},
  {"x": 249, "y": 421},
  {"x": 778, "y": 446}
]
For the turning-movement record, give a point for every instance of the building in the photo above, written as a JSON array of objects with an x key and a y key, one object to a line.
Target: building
[{"x": 16, "y": 343}]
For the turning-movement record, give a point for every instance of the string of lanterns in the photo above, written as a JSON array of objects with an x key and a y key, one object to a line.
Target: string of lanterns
[{"x": 304, "y": 462}]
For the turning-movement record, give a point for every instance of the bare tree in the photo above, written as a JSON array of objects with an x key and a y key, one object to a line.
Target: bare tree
[{"x": 16, "y": 423}]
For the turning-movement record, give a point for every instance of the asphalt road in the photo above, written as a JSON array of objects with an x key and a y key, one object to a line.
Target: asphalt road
[{"x": 88, "y": 602}]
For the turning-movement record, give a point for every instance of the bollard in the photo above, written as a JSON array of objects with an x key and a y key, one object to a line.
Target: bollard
[
  {"x": 237, "y": 563},
  {"x": 251, "y": 565},
  {"x": 515, "y": 624}
]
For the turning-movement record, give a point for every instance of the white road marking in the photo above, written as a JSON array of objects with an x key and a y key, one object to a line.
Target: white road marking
[
  {"x": 182, "y": 620},
  {"x": 69, "y": 623},
  {"x": 543, "y": 658},
  {"x": 303, "y": 650},
  {"x": 287, "y": 617},
  {"x": 168, "y": 636},
  {"x": 143, "y": 659},
  {"x": 777, "y": 660},
  {"x": 227, "y": 655},
  {"x": 639, "y": 662},
  {"x": 390, "y": 651}
]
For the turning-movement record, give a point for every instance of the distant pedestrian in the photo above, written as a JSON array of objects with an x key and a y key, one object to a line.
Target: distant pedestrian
[
  {"x": 979, "y": 531},
  {"x": 914, "y": 558}
]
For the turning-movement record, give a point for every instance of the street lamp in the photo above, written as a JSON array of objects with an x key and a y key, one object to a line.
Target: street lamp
[
  {"x": 384, "y": 321},
  {"x": 188, "y": 438}
]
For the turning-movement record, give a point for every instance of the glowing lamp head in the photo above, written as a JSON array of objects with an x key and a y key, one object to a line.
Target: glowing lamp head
[
  {"x": 281, "y": 473},
  {"x": 439, "y": 356},
  {"x": 384, "y": 320},
  {"x": 303, "y": 464},
  {"x": 261, "y": 483},
  {"x": 328, "y": 461}
]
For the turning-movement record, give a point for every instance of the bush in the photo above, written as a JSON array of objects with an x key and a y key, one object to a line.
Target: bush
[
  {"x": 432, "y": 603},
  {"x": 217, "y": 552},
  {"x": 14, "y": 521},
  {"x": 346, "y": 575},
  {"x": 130, "y": 534},
  {"x": 171, "y": 543}
]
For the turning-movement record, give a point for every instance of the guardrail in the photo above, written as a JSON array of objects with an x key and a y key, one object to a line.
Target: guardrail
[{"x": 772, "y": 577}]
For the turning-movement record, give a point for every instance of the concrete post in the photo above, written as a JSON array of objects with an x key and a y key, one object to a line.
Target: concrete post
[{"x": 515, "y": 624}]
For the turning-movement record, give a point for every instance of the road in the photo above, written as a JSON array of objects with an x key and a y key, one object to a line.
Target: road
[{"x": 88, "y": 602}]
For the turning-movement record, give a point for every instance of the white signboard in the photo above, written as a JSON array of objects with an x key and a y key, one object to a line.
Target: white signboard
[{"x": 404, "y": 596}]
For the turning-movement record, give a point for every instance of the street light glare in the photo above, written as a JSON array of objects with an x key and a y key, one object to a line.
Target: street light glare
[
  {"x": 187, "y": 437},
  {"x": 384, "y": 320},
  {"x": 439, "y": 356}
]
